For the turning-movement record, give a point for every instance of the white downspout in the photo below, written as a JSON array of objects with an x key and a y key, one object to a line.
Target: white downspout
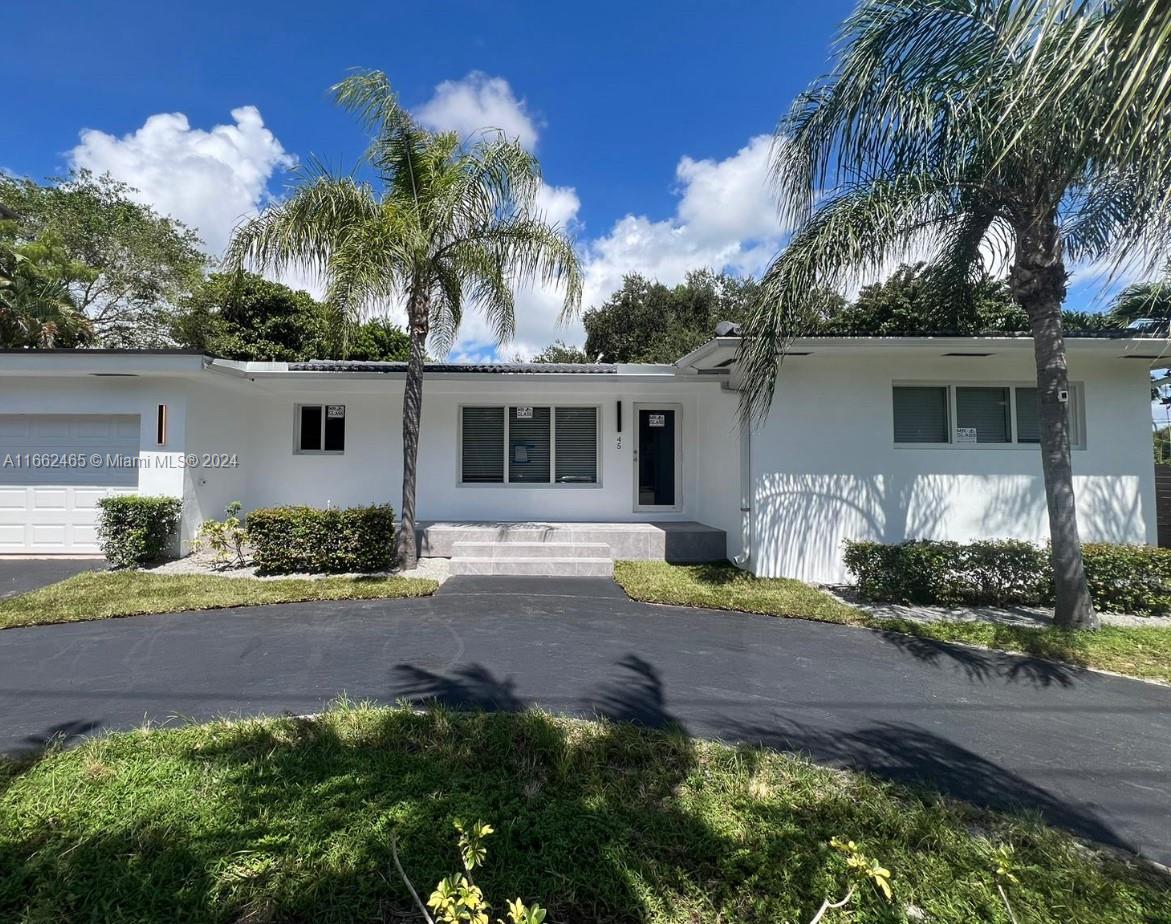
[{"x": 744, "y": 559}]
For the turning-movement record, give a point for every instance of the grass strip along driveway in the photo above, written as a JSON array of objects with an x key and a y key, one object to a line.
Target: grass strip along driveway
[
  {"x": 1137, "y": 652},
  {"x": 101, "y": 595},
  {"x": 290, "y": 819}
]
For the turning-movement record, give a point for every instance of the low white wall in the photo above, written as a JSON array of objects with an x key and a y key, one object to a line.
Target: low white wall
[{"x": 825, "y": 467}]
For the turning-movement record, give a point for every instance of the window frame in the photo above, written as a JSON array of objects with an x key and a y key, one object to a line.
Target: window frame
[
  {"x": 1077, "y": 417},
  {"x": 527, "y": 485},
  {"x": 297, "y": 450}
]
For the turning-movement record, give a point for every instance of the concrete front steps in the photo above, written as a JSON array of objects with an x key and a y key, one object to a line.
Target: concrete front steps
[
  {"x": 560, "y": 559},
  {"x": 566, "y": 549}
]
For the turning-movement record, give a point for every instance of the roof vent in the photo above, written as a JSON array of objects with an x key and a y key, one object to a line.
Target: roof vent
[{"x": 727, "y": 329}]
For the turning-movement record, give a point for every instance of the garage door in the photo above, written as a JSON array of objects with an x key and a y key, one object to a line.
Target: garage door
[{"x": 48, "y": 502}]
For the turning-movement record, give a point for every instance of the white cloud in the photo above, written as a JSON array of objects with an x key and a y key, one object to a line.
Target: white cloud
[
  {"x": 559, "y": 205},
  {"x": 476, "y": 103},
  {"x": 724, "y": 219},
  {"x": 209, "y": 180}
]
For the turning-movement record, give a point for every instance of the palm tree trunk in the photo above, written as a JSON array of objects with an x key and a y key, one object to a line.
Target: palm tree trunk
[
  {"x": 1038, "y": 280},
  {"x": 419, "y": 320}
]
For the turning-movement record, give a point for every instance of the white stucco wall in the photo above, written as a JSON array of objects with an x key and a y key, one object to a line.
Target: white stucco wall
[
  {"x": 371, "y": 468},
  {"x": 825, "y": 467}
]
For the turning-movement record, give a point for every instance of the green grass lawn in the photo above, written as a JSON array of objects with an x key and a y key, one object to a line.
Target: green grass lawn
[
  {"x": 101, "y": 595},
  {"x": 290, "y": 820},
  {"x": 1139, "y": 652}
]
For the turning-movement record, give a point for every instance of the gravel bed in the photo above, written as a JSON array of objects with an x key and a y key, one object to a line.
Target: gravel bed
[
  {"x": 1036, "y": 616},
  {"x": 435, "y": 569}
]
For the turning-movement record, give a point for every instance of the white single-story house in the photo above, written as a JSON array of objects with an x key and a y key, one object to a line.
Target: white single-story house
[{"x": 868, "y": 438}]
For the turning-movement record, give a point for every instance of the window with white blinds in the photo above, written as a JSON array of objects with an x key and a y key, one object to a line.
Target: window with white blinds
[
  {"x": 482, "y": 452},
  {"x": 975, "y": 415},
  {"x": 526, "y": 445},
  {"x": 577, "y": 445}
]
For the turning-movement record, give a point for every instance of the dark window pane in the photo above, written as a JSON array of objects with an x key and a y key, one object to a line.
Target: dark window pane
[
  {"x": 335, "y": 428},
  {"x": 528, "y": 445},
  {"x": 483, "y": 445},
  {"x": 984, "y": 410},
  {"x": 1028, "y": 416},
  {"x": 310, "y": 433},
  {"x": 577, "y": 445},
  {"x": 920, "y": 414}
]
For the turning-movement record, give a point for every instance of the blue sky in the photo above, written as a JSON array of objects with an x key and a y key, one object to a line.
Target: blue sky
[{"x": 650, "y": 119}]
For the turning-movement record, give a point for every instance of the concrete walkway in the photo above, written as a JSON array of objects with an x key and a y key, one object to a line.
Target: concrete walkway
[{"x": 1091, "y": 752}]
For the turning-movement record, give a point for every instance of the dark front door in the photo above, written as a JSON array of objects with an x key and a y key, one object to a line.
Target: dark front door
[{"x": 656, "y": 457}]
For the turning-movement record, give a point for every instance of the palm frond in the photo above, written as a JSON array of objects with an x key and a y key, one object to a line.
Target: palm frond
[
  {"x": 858, "y": 231},
  {"x": 306, "y": 228}
]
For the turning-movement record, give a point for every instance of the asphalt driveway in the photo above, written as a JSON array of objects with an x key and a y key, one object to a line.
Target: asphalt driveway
[
  {"x": 20, "y": 575},
  {"x": 1090, "y": 752}
]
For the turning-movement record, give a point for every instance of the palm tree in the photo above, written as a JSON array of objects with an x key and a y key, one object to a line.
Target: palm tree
[
  {"x": 1142, "y": 300},
  {"x": 453, "y": 225},
  {"x": 1121, "y": 47},
  {"x": 907, "y": 141}
]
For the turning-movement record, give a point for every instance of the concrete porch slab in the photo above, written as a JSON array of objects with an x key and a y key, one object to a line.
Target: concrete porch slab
[{"x": 674, "y": 541}]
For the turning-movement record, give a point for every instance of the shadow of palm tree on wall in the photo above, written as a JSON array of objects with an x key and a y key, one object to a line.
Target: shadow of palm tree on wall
[{"x": 802, "y": 518}]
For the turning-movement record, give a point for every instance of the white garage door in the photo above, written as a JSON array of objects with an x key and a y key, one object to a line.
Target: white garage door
[{"x": 49, "y": 502}]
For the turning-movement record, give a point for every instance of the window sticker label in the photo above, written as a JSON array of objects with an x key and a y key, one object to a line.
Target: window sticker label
[
  {"x": 335, "y": 410},
  {"x": 965, "y": 434},
  {"x": 657, "y": 420},
  {"x": 524, "y": 413}
]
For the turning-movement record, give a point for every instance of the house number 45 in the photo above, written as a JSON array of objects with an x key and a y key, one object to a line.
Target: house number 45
[{"x": 619, "y": 441}]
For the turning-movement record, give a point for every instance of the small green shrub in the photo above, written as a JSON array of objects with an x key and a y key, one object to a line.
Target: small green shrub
[
  {"x": 287, "y": 540},
  {"x": 1122, "y": 578},
  {"x": 1129, "y": 578},
  {"x": 136, "y": 530},
  {"x": 912, "y": 572},
  {"x": 225, "y": 538}
]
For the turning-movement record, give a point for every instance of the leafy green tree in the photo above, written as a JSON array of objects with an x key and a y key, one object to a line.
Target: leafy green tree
[
  {"x": 648, "y": 322},
  {"x": 909, "y": 303},
  {"x": 561, "y": 352},
  {"x": 1161, "y": 438},
  {"x": 934, "y": 120},
  {"x": 450, "y": 226},
  {"x": 245, "y": 316},
  {"x": 140, "y": 264},
  {"x": 36, "y": 305},
  {"x": 377, "y": 340}
]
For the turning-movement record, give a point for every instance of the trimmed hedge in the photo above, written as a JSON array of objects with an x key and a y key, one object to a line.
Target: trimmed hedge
[
  {"x": 1122, "y": 578},
  {"x": 136, "y": 530},
  {"x": 288, "y": 540}
]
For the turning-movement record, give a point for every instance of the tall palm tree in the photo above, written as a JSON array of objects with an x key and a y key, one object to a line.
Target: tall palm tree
[
  {"x": 907, "y": 140},
  {"x": 452, "y": 225}
]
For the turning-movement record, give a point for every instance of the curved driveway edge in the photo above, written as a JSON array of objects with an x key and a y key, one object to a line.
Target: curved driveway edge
[{"x": 1089, "y": 751}]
